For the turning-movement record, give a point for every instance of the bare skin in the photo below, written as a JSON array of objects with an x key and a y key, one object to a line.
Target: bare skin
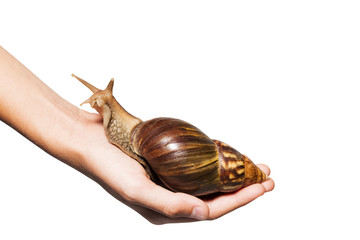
[{"x": 77, "y": 138}]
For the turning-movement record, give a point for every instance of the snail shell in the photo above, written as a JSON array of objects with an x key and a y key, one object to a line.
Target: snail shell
[
  {"x": 187, "y": 160},
  {"x": 174, "y": 151}
]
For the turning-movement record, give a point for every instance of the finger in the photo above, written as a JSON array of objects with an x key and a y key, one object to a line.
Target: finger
[
  {"x": 183, "y": 205},
  {"x": 226, "y": 203},
  {"x": 264, "y": 168},
  {"x": 269, "y": 184},
  {"x": 173, "y": 205}
]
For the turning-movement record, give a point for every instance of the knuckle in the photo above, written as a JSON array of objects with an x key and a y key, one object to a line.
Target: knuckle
[
  {"x": 173, "y": 210},
  {"x": 131, "y": 194}
]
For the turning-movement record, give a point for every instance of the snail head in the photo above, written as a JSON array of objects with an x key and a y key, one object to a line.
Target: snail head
[{"x": 100, "y": 99}]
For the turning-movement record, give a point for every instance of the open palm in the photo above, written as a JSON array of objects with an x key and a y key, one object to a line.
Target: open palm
[{"x": 125, "y": 179}]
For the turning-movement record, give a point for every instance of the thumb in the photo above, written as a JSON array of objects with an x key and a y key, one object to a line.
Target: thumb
[{"x": 170, "y": 204}]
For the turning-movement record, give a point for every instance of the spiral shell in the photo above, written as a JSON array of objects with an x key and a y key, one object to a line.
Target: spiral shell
[{"x": 187, "y": 160}]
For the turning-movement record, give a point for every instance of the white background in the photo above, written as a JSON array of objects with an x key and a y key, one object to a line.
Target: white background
[{"x": 278, "y": 80}]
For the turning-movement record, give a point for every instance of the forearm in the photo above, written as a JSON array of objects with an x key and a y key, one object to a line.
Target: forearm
[{"x": 37, "y": 112}]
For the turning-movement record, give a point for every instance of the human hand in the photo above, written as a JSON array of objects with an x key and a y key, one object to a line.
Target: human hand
[
  {"x": 77, "y": 138},
  {"x": 126, "y": 180}
]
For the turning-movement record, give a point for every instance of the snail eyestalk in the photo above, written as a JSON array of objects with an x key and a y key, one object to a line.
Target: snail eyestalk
[{"x": 88, "y": 85}]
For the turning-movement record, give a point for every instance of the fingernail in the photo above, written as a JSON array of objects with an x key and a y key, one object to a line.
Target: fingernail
[{"x": 198, "y": 213}]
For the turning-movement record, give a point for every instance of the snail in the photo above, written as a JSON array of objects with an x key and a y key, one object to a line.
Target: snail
[{"x": 173, "y": 151}]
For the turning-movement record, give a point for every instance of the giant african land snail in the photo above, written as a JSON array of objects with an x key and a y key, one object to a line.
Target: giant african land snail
[{"x": 179, "y": 154}]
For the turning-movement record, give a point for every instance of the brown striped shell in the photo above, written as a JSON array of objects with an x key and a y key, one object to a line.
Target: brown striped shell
[{"x": 187, "y": 160}]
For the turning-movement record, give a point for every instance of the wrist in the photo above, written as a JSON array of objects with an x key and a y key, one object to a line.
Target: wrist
[{"x": 76, "y": 138}]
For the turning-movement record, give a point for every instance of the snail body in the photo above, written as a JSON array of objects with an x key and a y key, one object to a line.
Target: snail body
[{"x": 177, "y": 153}]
